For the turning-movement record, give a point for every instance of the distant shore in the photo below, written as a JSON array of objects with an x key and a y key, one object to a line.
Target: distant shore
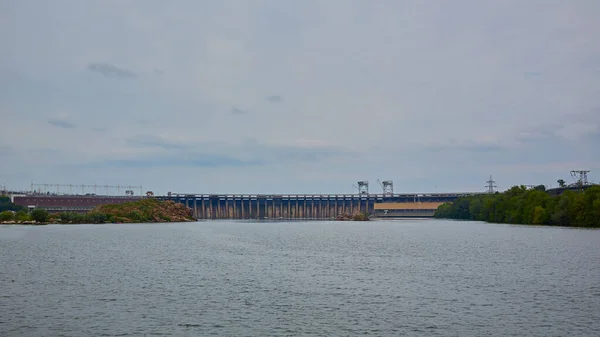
[
  {"x": 142, "y": 211},
  {"x": 520, "y": 205}
]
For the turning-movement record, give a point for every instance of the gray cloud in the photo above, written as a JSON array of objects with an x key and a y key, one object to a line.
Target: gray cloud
[
  {"x": 293, "y": 154},
  {"x": 542, "y": 132},
  {"x": 531, "y": 74},
  {"x": 474, "y": 89},
  {"x": 470, "y": 146},
  {"x": 59, "y": 123},
  {"x": 237, "y": 111},
  {"x": 110, "y": 70},
  {"x": 98, "y": 129},
  {"x": 154, "y": 141},
  {"x": 199, "y": 160},
  {"x": 6, "y": 151},
  {"x": 219, "y": 154},
  {"x": 275, "y": 98}
]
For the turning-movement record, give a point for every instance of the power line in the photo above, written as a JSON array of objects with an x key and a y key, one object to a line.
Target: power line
[{"x": 72, "y": 188}]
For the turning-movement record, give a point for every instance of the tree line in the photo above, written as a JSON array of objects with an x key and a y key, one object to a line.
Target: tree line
[
  {"x": 7, "y": 205},
  {"x": 520, "y": 205}
]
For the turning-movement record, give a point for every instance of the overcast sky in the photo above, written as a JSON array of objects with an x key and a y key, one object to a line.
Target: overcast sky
[{"x": 298, "y": 96}]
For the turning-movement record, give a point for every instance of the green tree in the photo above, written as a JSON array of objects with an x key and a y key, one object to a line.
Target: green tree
[
  {"x": 475, "y": 208},
  {"x": 22, "y": 216},
  {"x": 519, "y": 205},
  {"x": 7, "y": 216},
  {"x": 96, "y": 217},
  {"x": 71, "y": 218},
  {"x": 39, "y": 215},
  {"x": 561, "y": 183},
  {"x": 7, "y": 205},
  {"x": 540, "y": 216}
]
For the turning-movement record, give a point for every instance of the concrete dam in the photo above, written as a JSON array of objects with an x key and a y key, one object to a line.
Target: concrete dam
[
  {"x": 263, "y": 206},
  {"x": 312, "y": 206}
]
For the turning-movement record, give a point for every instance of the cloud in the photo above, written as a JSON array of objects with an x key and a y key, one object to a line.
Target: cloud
[
  {"x": 531, "y": 74},
  {"x": 153, "y": 151},
  {"x": 211, "y": 109},
  {"x": 471, "y": 146},
  {"x": 61, "y": 123},
  {"x": 154, "y": 141},
  {"x": 210, "y": 161},
  {"x": 6, "y": 151},
  {"x": 110, "y": 70},
  {"x": 237, "y": 111},
  {"x": 275, "y": 98},
  {"x": 541, "y": 133}
]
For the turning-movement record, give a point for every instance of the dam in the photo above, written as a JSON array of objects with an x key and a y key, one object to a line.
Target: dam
[
  {"x": 312, "y": 206},
  {"x": 261, "y": 206}
]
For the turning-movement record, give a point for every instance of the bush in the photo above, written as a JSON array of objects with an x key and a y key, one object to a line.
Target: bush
[
  {"x": 96, "y": 217},
  {"x": 7, "y": 216},
  {"x": 22, "y": 216},
  {"x": 67, "y": 218},
  {"x": 39, "y": 215}
]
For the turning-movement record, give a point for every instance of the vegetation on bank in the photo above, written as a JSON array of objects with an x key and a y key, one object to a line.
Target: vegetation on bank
[
  {"x": 145, "y": 210},
  {"x": 7, "y": 205},
  {"x": 520, "y": 205},
  {"x": 353, "y": 217}
]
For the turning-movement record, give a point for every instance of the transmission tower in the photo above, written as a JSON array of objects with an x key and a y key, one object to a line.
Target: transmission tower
[
  {"x": 490, "y": 185},
  {"x": 581, "y": 176}
]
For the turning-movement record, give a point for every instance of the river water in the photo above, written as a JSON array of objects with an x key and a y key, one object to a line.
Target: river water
[{"x": 225, "y": 278}]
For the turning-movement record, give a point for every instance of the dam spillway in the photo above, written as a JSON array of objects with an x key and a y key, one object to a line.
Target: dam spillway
[{"x": 311, "y": 206}]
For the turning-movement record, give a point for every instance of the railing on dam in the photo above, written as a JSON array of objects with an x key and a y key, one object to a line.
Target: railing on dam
[{"x": 298, "y": 206}]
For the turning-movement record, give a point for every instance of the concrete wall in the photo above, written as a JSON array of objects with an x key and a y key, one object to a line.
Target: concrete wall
[
  {"x": 408, "y": 205},
  {"x": 66, "y": 202}
]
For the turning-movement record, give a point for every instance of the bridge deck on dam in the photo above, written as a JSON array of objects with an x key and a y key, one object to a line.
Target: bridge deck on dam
[{"x": 311, "y": 206}]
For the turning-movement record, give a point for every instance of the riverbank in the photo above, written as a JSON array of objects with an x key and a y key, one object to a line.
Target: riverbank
[
  {"x": 352, "y": 217},
  {"x": 142, "y": 211},
  {"x": 520, "y": 205}
]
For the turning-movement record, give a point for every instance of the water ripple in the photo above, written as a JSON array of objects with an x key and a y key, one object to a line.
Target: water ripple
[{"x": 410, "y": 278}]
